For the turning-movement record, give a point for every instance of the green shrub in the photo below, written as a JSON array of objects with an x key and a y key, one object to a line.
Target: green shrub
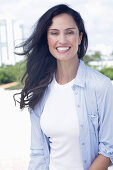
[
  {"x": 6, "y": 77},
  {"x": 12, "y": 73},
  {"x": 108, "y": 72}
]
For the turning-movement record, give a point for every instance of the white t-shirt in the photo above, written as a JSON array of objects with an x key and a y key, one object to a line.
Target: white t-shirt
[{"x": 59, "y": 122}]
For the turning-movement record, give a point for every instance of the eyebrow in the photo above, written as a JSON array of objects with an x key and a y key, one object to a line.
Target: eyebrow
[{"x": 65, "y": 29}]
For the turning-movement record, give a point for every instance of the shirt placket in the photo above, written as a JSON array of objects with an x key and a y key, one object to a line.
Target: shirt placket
[{"x": 83, "y": 125}]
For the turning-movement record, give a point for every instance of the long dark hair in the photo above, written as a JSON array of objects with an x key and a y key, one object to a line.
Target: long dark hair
[{"x": 40, "y": 63}]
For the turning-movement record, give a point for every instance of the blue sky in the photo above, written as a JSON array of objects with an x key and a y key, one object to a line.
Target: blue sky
[{"x": 97, "y": 14}]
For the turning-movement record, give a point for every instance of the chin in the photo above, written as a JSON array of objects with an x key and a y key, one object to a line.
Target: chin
[{"x": 64, "y": 58}]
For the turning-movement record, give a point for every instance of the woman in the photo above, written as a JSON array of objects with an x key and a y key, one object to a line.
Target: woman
[{"x": 70, "y": 104}]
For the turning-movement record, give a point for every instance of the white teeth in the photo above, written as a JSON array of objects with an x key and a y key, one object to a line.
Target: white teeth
[{"x": 62, "y": 48}]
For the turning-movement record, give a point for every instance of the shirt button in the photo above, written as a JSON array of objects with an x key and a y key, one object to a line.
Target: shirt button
[
  {"x": 83, "y": 143},
  {"x": 74, "y": 87}
]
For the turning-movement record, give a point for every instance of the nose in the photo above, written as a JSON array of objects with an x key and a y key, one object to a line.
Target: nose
[{"x": 62, "y": 39}]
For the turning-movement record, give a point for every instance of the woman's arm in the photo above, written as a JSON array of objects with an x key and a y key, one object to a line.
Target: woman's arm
[
  {"x": 37, "y": 159},
  {"x": 105, "y": 110},
  {"x": 100, "y": 163}
]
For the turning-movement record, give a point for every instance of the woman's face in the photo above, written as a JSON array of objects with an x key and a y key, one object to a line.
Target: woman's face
[{"x": 63, "y": 37}]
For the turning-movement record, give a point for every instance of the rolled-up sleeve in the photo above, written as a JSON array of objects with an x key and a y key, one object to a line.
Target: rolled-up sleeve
[
  {"x": 105, "y": 109},
  {"x": 37, "y": 161}
]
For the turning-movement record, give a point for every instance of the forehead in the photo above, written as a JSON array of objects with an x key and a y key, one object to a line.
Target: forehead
[{"x": 63, "y": 21}]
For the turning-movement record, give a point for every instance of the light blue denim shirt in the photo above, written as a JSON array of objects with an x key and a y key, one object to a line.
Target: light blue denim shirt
[{"x": 94, "y": 103}]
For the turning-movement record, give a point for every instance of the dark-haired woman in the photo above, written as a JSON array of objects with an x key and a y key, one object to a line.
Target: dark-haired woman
[{"x": 71, "y": 105}]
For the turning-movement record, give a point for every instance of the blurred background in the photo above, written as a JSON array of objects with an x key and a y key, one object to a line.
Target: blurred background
[{"x": 17, "y": 19}]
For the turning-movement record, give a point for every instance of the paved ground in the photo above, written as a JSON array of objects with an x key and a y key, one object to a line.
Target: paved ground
[
  {"x": 9, "y": 85},
  {"x": 14, "y": 134}
]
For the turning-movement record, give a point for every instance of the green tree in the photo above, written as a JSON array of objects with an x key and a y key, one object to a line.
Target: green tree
[
  {"x": 96, "y": 56},
  {"x": 87, "y": 59},
  {"x": 108, "y": 71}
]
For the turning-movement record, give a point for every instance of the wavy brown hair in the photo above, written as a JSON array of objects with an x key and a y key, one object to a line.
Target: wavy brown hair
[{"x": 40, "y": 63}]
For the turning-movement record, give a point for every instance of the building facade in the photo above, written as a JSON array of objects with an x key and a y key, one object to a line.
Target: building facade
[{"x": 11, "y": 34}]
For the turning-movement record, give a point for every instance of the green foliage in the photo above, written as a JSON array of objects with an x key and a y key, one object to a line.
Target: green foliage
[
  {"x": 12, "y": 73},
  {"x": 108, "y": 72},
  {"x": 18, "y": 86},
  {"x": 86, "y": 59},
  {"x": 6, "y": 77},
  {"x": 95, "y": 57}
]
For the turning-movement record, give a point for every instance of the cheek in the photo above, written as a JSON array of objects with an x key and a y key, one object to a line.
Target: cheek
[
  {"x": 74, "y": 41},
  {"x": 51, "y": 42}
]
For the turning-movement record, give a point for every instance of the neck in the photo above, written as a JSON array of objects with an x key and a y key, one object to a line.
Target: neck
[{"x": 66, "y": 70}]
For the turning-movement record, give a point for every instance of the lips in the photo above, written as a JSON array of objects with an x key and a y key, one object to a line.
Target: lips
[{"x": 63, "y": 49}]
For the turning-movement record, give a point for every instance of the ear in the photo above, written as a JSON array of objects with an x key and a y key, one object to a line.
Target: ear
[{"x": 80, "y": 38}]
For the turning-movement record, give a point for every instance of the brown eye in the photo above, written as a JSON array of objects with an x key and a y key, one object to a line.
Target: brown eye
[
  {"x": 54, "y": 33},
  {"x": 70, "y": 32}
]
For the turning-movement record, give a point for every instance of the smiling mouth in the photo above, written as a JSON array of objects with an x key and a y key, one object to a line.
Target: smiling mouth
[{"x": 63, "y": 49}]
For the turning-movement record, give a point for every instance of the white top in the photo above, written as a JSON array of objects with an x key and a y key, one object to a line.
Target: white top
[{"x": 59, "y": 121}]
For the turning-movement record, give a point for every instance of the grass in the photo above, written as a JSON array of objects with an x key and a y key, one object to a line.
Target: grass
[{"x": 17, "y": 87}]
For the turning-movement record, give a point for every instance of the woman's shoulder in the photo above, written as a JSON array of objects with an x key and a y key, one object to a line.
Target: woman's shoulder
[{"x": 96, "y": 79}]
